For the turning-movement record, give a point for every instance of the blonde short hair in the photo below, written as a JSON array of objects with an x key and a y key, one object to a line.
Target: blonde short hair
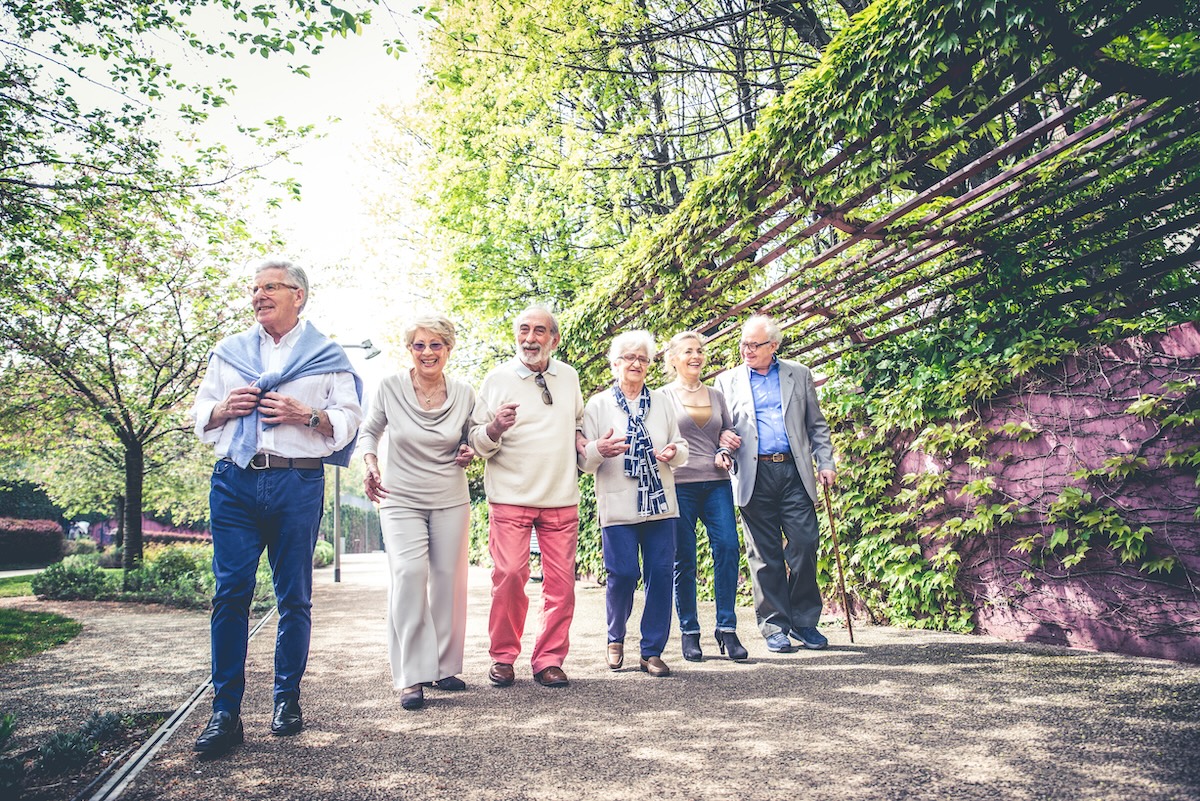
[
  {"x": 438, "y": 324},
  {"x": 675, "y": 347}
]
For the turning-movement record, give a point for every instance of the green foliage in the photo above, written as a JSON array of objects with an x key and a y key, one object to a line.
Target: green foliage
[
  {"x": 65, "y": 751},
  {"x": 176, "y": 575},
  {"x": 23, "y": 633},
  {"x": 75, "y": 580},
  {"x": 12, "y": 769},
  {"x": 101, "y": 728},
  {"x": 16, "y": 586},
  {"x": 323, "y": 554},
  {"x": 25, "y": 500},
  {"x": 556, "y": 132}
]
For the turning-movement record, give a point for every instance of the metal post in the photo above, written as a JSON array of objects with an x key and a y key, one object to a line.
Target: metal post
[{"x": 337, "y": 524}]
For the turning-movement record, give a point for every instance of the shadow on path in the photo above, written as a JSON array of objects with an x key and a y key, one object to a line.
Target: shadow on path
[{"x": 900, "y": 714}]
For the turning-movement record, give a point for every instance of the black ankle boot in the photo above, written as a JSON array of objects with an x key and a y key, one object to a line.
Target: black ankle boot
[
  {"x": 691, "y": 647},
  {"x": 728, "y": 640}
]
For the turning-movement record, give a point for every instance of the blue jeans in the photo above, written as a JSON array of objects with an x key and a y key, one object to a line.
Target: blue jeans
[
  {"x": 712, "y": 503},
  {"x": 656, "y": 541},
  {"x": 250, "y": 510}
]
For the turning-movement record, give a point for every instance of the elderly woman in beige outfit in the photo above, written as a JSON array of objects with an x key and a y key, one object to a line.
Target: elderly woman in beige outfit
[{"x": 424, "y": 510}]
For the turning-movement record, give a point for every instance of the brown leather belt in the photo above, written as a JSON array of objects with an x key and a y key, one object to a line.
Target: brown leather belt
[
  {"x": 268, "y": 461},
  {"x": 774, "y": 457}
]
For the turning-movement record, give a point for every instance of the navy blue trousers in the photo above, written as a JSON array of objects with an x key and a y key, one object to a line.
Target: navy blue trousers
[{"x": 252, "y": 510}]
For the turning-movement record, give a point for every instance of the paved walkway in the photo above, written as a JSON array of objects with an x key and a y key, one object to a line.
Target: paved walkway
[{"x": 898, "y": 715}]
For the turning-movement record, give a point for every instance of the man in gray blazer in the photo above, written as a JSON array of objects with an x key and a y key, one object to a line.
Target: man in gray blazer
[{"x": 782, "y": 432}]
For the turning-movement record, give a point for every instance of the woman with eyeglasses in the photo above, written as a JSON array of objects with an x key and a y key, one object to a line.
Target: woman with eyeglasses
[
  {"x": 424, "y": 510},
  {"x": 633, "y": 447},
  {"x": 705, "y": 493}
]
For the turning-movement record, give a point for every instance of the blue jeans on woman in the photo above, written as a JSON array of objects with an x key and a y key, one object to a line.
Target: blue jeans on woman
[
  {"x": 656, "y": 542},
  {"x": 712, "y": 503}
]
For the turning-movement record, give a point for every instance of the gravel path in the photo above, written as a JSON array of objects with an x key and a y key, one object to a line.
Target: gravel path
[{"x": 899, "y": 714}]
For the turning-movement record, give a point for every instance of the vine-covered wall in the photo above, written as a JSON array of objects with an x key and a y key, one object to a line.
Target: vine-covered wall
[{"x": 1071, "y": 500}]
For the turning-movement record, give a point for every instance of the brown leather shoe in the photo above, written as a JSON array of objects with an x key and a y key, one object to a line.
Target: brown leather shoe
[
  {"x": 501, "y": 675},
  {"x": 616, "y": 655},
  {"x": 655, "y": 667},
  {"x": 551, "y": 677}
]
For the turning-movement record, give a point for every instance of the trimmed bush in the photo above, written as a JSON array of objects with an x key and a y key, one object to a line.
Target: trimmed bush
[
  {"x": 76, "y": 547},
  {"x": 323, "y": 554},
  {"x": 30, "y": 542},
  {"x": 74, "y": 579}
]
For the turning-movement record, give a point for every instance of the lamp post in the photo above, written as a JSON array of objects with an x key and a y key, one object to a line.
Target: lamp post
[{"x": 372, "y": 352}]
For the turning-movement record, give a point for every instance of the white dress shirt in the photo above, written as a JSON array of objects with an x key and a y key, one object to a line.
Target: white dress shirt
[{"x": 333, "y": 393}]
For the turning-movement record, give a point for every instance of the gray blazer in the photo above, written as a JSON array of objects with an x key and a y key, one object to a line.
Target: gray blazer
[{"x": 807, "y": 431}]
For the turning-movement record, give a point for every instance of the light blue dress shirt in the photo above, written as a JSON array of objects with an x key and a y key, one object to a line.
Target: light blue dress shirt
[{"x": 768, "y": 410}]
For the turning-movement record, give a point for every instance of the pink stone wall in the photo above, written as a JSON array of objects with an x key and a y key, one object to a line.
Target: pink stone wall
[{"x": 1079, "y": 410}]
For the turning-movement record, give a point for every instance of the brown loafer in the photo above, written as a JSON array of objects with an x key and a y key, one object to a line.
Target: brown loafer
[
  {"x": 616, "y": 655},
  {"x": 655, "y": 667},
  {"x": 501, "y": 675},
  {"x": 551, "y": 677}
]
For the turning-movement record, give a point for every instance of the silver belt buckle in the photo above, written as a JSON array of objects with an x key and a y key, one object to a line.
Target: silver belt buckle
[{"x": 266, "y": 465}]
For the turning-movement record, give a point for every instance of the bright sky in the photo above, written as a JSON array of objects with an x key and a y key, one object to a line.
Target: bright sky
[{"x": 330, "y": 232}]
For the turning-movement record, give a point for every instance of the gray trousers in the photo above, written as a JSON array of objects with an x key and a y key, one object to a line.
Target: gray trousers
[{"x": 781, "y": 548}]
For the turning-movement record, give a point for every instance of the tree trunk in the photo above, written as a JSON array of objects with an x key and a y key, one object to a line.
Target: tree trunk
[
  {"x": 135, "y": 472},
  {"x": 119, "y": 534}
]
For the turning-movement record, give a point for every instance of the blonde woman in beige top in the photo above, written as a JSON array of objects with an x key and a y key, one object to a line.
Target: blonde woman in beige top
[
  {"x": 704, "y": 493},
  {"x": 424, "y": 510}
]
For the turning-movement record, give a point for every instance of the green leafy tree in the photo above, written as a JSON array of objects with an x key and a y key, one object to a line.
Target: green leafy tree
[
  {"x": 106, "y": 344},
  {"x": 555, "y": 132},
  {"x": 114, "y": 240}
]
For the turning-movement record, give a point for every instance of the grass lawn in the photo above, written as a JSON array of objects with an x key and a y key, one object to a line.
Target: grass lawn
[
  {"x": 13, "y": 586},
  {"x": 23, "y": 633}
]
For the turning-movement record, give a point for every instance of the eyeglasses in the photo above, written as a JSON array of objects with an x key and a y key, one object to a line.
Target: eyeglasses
[
  {"x": 634, "y": 357},
  {"x": 436, "y": 347},
  {"x": 752, "y": 347},
  {"x": 540, "y": 380},
  {"x": 270, "y": 288}
]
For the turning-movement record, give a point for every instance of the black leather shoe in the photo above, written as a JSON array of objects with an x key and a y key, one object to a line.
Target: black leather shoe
[
  {"x": 413, "y": 698},
  {"x": 287, "y": 719},
  {"x": 223, "y": 732},
  {"x": 691, "y": 647}
]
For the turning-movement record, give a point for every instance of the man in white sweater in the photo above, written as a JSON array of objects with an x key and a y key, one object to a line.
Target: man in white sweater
[{"x": 529, "y": 411}]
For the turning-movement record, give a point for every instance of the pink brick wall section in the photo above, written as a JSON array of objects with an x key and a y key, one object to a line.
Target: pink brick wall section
[{"x": 1079, "y": 410}]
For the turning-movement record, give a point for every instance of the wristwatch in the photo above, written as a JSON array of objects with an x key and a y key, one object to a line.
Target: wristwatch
[{"x": 314, "y": 419}]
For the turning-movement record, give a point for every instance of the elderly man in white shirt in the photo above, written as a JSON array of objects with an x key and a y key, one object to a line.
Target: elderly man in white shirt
[{"x": 278, "y": 402}]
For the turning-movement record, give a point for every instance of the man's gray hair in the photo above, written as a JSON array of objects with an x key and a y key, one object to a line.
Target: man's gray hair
[
  {"x": 537, "y": 307},
  {"x": 295, "y": 275},
  {"x": 774, "y": 334}
]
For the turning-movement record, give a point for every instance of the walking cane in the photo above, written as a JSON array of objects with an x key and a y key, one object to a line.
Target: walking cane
[{"x": 837, "y": 553}]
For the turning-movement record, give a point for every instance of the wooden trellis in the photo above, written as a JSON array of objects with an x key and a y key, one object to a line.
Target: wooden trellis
[{"x": 1072, "y": 163}]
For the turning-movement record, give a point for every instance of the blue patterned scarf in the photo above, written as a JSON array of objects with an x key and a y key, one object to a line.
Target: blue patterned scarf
[{"x": 639, "y": 459}]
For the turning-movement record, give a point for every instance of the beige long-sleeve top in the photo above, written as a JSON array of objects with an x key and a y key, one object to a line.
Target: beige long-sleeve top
[
  {"x": 533, "y": 463},
  {"x": 616, "y": 493},
  {"x": 422, "y": 444}
]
